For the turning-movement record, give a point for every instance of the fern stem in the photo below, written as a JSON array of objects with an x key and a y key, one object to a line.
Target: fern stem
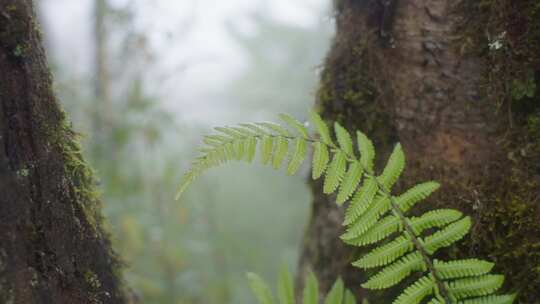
[
  {"x": 408, "y": 229},
  {"x": 410, "y": 232}
]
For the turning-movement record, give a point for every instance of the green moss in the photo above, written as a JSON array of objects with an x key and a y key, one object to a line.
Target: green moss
[
  {"x": 81, "y": 175},
  {"x": 348, "y": 94},
  {"x": 506, "y": 35},
  {"x": 92, "y": 279}
]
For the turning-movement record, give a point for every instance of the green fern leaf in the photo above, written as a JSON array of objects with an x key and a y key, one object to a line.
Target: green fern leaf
[
  {"x": 245, "y": 132},
  {"x": 320, "y": 159},
  {"x": 254, "y": 128},
  {"x": 251, "y": 148},
  {"x": 260, "y": 289},
  {"x": 373, "y": 215},
  {"x": 335, "y": 172},
  {"x": 396, "y": 272},
  {"x": 385, "y": 254},
  {"x": 344, "y": 139},
  {"x": 502, "y": 299},
  {"x": 187, "y": 179},
  {"x": 361, "y": 201},
  {"x": 218, "y": 138},
  {"x": 449, "y": 235},
  {"x": 462, "y": 268},
  {"x": 350, "y": 182},
  {"x": 297, "y": 157},
  {"x": 275, "y": 128},
  {"x": 230, "y": 132},
  {"x": 322, "y": 128},
  {"x": 478, "y": 286},
  {"x": 416, "y": 194},
  {"x": 393, "y": 168},
  {"x": 311, "y": 291},
  {"x": 285, "y": 287},
  {"x": 415, "y": 293},
  {"x": 367, "y": 151},
  {"x": 349, "y": 298},
  {"x": 335, "y": 296},
  {"x": 239, "y": 149},
  {"x": 282, "y": 147},
  {"x": 368, "y": 219},
  {"x": 295, "y": 124},
  {"x": 212, "y": 141},
  {"x": 384, "y": 228},
  {"x": 267, "y": 147},
  {"x": 434, "y": 219}
]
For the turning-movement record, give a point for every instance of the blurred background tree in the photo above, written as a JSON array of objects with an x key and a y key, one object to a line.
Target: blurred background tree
[{"x": 142, "y": 94}]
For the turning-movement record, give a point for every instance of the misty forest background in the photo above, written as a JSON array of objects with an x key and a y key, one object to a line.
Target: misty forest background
[{"x": 141, "y": 81}]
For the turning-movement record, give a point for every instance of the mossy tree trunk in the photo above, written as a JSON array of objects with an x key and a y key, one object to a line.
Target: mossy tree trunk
[
  {"x": 457, "y": 83},
  {"x": 53, "y": 248}
]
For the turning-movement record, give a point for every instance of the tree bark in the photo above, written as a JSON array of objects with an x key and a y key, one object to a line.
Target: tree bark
[
  {"x": 421, "y": 72},
  {"x": 53, "y": 248}
]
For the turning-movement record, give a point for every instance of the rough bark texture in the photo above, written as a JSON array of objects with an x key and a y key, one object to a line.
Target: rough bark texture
[
  {"x": 422, "y": 72},
  {"x": 52, "y": 245}
]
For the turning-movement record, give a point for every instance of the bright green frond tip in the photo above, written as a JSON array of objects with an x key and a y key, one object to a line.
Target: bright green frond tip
[
  {"x": 401, "y": 246},
  {"x": 310, "y": 295}
]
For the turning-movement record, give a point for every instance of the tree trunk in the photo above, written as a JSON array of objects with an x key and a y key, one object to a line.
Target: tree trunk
[
  {"x": 466, "y": 107},
  {"x": 53, "y": 248}
]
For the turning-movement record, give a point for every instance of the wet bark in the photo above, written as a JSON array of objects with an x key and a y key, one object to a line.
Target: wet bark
[
  {"x": 53, "y": 248},
  {"x": 409, "y": 79}
]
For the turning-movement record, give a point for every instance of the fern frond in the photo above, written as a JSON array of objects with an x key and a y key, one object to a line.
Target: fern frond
[
  {"x": 267, "y": 147},
  {"x": 434, "y": 219},
  {"x": 393, "y": 168},
  {"x": 350, "y": 182},
  {"x": 311, "y": 291},
  {"x": 230, "y": 132},
  {"x": 502, "y": 299},
  {"x": 367, "y": 151},
  {"x": 335, "y": 172},
  {"x": 373, "y": 215},
  {"x": 282, "y": 147},
  {"x": 336, "y": 294},
  {"x": 275, "y": 128},
  {"x": 385, "y": 254},
  {"x": 462, "y": 268},
  {"x": 415, "y": 293},
  {"x": 295, "y": 124},
  {"x": 384, "y": 228},
  {"x": 251, "y": 149},
  {"x": 447, "y": 236},
  {"x": 416, "y": 194},
  {"x": 298, "y": 156},
  {"x": 320, "y": 159},
  {"x": 478, "y": 286},
  {"x": 259, "y": 287},
  {"x": 322, "y": 128},
  {"x": 396, "y": 272},
  {"x": 368, "y": 219},
  {"x": 285, "y": 287},
  {"x": 344, "y": 139},
  {"x": 254, "y": 128},
  {"x": 349, "y": 298},
  {"x": 310, "y": 294},
  {"x": 361, "y": 201}
]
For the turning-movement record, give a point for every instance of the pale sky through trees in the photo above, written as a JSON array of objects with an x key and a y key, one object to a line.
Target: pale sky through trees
[{"x": 193, "y": 52}]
